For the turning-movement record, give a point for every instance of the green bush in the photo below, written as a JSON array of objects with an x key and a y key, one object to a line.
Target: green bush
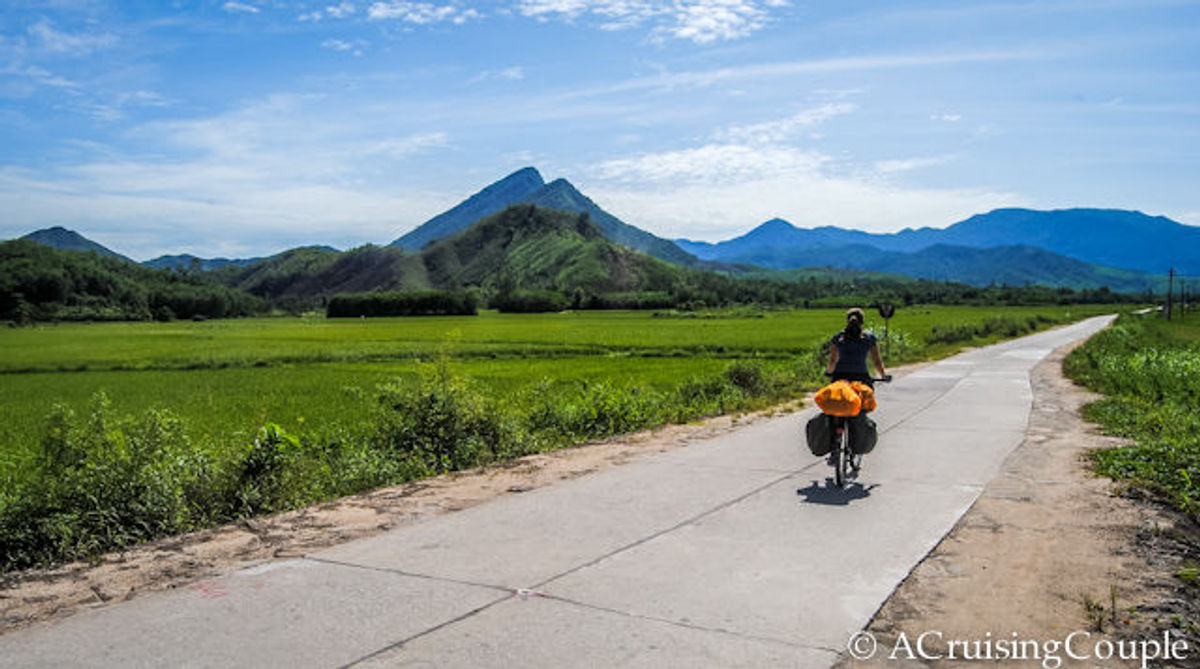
[
  {"x": 105, "y": 482},
  {"x": 440, "y": 424},
  {"x": 408, "y": 303},
  {"x": 749, "y": 377},
  {"x": 1151, "y": 375},
  {"x": 531, "y": 301}
]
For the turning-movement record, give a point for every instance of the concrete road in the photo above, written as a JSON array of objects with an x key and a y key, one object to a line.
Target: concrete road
[{"x": 735, "y": 551}]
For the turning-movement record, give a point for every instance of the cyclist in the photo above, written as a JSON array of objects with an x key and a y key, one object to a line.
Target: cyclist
[{"x": 848, "y": 352}]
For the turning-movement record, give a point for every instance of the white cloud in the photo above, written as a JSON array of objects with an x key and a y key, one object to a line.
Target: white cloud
[
  {"x": 420, "y": 13},
  {"x": 757, "y": 172},
  {"x": 784, "y": 129},
  {"x": 406, "y": 146},
  {"x": 240, "y": 7},
  {"x": 143, "y": 99},
  {"x": 285, "y": 171},
  {"x": 700, "y": 21},
  {"x": 704, "y": 78},
  {"x": 80, "y": 44},
  {"x": 949, "y": 118},
  {"x": 340, "y": 11},
  {"x": 721, "y": 207},
  {"x": 356, "y": 46},
  {"x": 40, "y": 76},
  {"x": 711, "y": 164},
  {"x": 909, "y": 164},
  {"x": 515, "y": 73}
]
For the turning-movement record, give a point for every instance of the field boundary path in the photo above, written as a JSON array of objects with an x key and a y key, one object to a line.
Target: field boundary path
[{"x": 735, "y": 551}]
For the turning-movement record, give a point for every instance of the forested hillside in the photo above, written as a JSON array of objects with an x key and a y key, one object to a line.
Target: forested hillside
[{"x": 39, "y": 283}]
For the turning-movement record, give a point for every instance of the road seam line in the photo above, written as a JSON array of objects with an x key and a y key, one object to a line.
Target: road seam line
[{"x": 689, "y": 626}]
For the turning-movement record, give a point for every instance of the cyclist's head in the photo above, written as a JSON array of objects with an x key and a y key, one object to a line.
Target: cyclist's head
[{"x": 854, "y": 322}]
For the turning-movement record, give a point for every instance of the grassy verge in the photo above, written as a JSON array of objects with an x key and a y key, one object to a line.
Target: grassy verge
[
  {"x": 1149, "y": 371},
  {"x": 146, "y": 455}
]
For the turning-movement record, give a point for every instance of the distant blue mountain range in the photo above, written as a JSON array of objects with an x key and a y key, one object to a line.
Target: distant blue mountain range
[{"x": 1115, "y": 238}]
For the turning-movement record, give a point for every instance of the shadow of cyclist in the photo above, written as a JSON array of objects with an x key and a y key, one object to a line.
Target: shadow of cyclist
[{"x": 831, "y": 495}]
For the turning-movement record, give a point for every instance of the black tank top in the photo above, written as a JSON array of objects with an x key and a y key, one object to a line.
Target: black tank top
[{"x": 852, "y": 353}]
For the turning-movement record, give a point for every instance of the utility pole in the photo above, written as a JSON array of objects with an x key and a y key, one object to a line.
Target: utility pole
[{"x": 1170, "y": 290}]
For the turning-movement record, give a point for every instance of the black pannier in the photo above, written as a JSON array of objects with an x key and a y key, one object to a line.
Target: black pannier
[
  {"x": 820, "y": 434},
  {"x": 863, "y": 434}
]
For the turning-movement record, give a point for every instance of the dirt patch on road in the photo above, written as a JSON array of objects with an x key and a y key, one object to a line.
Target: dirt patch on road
[
  {"x": 1047, "y": 550},
  {"x": 182, "y": 561}
]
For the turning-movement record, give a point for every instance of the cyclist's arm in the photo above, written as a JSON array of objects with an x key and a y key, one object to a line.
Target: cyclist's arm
[
  {"x": 878, "y": 360},
  {"x": 833, "y": 358}
]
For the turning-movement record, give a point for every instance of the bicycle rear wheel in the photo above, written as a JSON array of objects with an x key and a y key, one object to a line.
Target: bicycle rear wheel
[{"x": 841, "y": 465}]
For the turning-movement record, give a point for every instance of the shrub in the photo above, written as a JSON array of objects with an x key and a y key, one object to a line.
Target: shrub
[
  {"x": 439, "y": 423},
  {"x": 749, "y": 377},
  {"x": 531, "y": 301},
  {"x": 104, "y": 483},
  {"x": 410, "y": 303}
]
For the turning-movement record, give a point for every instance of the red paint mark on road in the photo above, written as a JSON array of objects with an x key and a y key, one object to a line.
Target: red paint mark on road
[{"x": 210, "y": 590}]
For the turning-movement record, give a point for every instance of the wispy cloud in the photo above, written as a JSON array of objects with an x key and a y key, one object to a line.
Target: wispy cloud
[
  {"x": 240, "y": 7},
  {"x": 283, "y": 171},
  {"x": 421, "y": 13},
  {"x": 48, "y": 38},
  {"x": 759, "y": 171},
  {"x": 899, "y": 165},
  {"x": 780, "y": 130},
  {"x": 356, "y": 46},
  {"x": 705, "y": 78},
  {"x": 802, "y": 187},
  {"x": 343, "y": 10},
  {"x": 515, "y": 73},
  {"x": 699, "y": 21}
]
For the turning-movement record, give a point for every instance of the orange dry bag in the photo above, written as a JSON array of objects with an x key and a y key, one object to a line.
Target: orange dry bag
[
  {"x": 866, "y": 394},
  {"x": 839, "y": 399}
]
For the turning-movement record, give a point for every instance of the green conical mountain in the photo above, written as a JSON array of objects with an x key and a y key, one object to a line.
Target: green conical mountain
[
  {"x": 534, "y": 247},
  {"x": 523, "y": 246},
  {"x": 526, "y": 186},
  {"x": 560, "y": 194},
  {"x": 514, "y": 188}
]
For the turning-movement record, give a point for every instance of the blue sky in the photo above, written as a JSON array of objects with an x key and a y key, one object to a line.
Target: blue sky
[{"x": 246, "y": 127}]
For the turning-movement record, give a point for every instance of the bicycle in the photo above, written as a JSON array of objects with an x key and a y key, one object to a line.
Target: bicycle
[{"x": 846, "y": 463}]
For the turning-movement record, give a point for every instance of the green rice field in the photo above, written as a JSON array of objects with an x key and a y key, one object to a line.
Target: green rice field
[{"x": 227, "y": 378}]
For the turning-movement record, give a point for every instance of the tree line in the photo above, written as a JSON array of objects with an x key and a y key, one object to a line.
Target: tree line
[{"x": 39, "y": 283}]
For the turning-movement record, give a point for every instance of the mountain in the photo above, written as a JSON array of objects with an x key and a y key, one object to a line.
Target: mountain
[
  {"x": 42, "y": 283},
  {"x": 1111, "y": 237},
  {"x": 59, "y": 237},
  {"x": 526, "y": 186},
  {"x": 770, "y": 243},
  {"x": 512, "y": 189},
  {"x": 1001, "y": 265},
  {"x": 526, "y": 246},
  {"x": 560, "y": 194},
  {"x": 187, "y": 260},
  {"x": 534, "y": 247},
  {"x": 1119, "y": 238}
]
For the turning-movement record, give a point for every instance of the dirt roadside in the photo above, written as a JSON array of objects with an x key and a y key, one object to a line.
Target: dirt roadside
[
  {"x": 1047, "y": 550},
  {"x": 190, "y": 560}
]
